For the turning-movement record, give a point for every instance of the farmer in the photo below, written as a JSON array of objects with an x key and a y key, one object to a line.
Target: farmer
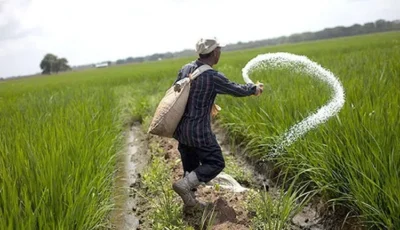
[{"x": 200, "y": 153}]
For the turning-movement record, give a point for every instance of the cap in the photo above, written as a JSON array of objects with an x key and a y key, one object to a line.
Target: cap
[{"x": 207, "y": 45}]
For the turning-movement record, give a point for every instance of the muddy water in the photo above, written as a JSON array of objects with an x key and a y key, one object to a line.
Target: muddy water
[{"x": 131, "y": 161}]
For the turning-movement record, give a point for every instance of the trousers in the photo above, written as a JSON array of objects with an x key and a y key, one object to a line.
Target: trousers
[{"x": 207, "y": 162}]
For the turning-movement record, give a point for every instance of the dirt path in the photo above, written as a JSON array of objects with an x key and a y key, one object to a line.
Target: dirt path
[{"x": 230, "y": 207}]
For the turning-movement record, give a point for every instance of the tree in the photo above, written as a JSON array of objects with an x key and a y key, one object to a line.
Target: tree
[
  {"x": 129, "y": 60},
  {"x": 382, "y": 25},
  {"x": 120, "y": 61},
  {"x": 51, "y": 63},
  {"x": 369, "y": 27},
  {"x": 48, "y": 63},
  {"x": 61, "y": 65}
]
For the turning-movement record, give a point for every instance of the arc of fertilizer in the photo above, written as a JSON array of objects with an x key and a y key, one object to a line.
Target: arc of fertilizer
[{"x": 299, "y": 64}]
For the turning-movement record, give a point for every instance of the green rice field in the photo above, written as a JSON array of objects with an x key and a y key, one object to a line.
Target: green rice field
[{"x": 60, "y": 135}]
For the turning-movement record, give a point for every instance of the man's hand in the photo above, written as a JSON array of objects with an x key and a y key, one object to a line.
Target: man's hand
[
  {"x": 259, "y": 89},
  {"x": 215, "y": 110}
]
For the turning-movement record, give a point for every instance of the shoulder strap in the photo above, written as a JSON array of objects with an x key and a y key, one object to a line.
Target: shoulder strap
[
  {"x": 177, "y": 86},
  {"x": 199, "y": 71}
]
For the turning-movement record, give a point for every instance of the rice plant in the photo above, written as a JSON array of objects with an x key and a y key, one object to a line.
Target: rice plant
[{"x": 59, "y": 134}]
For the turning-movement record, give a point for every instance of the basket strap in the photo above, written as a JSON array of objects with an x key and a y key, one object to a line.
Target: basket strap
[
  {"x": 191, "y": 77},
  {"x": 199, "y": 71}
]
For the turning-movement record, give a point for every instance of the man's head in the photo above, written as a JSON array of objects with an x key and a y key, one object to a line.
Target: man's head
[{"x": 209, "y": 49}]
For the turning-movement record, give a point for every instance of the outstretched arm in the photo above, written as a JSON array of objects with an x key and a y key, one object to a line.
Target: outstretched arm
[{"x": 223, "y": 85}]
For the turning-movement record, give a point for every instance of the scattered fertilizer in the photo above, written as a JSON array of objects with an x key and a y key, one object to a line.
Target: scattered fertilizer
[{"x": 300, "y": 64}]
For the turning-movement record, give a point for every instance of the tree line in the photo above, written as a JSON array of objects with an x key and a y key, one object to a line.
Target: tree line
[
  {"x": 51, "y": 64},
  {"x": 339, "y": 31}
]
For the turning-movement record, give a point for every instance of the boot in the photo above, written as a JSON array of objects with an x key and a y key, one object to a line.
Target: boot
[
  {"x": 184, "y": 187},
  {"x": 193, "y": 190}
]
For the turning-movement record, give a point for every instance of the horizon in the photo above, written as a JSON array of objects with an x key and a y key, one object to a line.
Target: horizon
[{"x": 26, "y": 34}]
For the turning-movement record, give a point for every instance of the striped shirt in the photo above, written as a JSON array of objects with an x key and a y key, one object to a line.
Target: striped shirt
[{"x": 194, "y": 129}]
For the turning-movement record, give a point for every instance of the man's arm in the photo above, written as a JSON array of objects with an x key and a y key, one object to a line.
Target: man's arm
[{"x": 224, "y": 86}]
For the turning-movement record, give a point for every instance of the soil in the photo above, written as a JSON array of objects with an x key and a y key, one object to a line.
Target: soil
[{"x": 228, "y": 207}]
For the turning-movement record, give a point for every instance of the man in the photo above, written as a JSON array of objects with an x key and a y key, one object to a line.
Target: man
[{"x": 200, "y": 152}]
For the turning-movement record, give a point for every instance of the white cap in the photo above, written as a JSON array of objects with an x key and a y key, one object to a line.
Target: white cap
[{"x": 207, "y": 45}]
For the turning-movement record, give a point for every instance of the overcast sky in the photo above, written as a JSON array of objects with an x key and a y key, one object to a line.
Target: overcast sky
[{"x": 90, "y": 31}]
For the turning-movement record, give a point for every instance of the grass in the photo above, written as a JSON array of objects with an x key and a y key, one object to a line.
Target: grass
[
  {"x": 59, "y": 134},
  {"x": 275, "y": 210},
  {"x": 354, "y": 156},
  {"x": 59, "y": 138},
  {"x": 57, "y": 159},
  {"x": 165, "y": 211}
]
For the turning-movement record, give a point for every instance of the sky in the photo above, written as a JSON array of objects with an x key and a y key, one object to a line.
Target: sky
[{"x": 92, "y": 31}]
